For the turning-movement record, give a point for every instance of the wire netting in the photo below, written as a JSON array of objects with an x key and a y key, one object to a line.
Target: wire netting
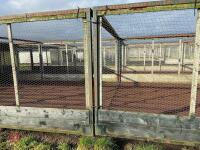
[
  {"x": 7, "y": 96},
  {"x": 155, "y": 62},
  {"x": 50, "y": 63}
]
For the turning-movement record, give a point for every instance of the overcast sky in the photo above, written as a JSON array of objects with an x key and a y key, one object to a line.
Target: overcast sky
[{"x": 8, "y": 7}]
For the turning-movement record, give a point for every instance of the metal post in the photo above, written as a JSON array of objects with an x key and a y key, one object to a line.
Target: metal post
[
  {"x": 47, "y": 60},
  {"x": 12, "y": 57},
  {"x": 116, "y": 57},
  {"x": 183, "y": 56},
  {"x": 179, "y": 57},
  {"x": 122, "y": 56},
  {"x": 41, "y": 60},
  {"x": 32, "y": 62},
  {"x": 125, "y": 56},
  {"x": 152, "y": 58},
  {"x": 67, "y": 59},
  {"x": 104, "y": 56},
  {"x": 169, "y": 52},
  {"x": 195, "y": 68},
  {"x": 160, "y": 56},
  {"x": 144, "y": 57},
  {"x": 100, "y": 62}
]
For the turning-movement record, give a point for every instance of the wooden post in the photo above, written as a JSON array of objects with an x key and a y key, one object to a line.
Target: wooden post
[
  {"x": 179, "y": 57},
  {"x": 87, "y": 29},
  {"x": 195, "y": 68},
  {"x": 67, "y": 58},
  {"x": 144, "y": 57},
  {"x": 41, "y": 60},
  {"x": 13, "y": 64},
  {"x": 152, "y": 58}
]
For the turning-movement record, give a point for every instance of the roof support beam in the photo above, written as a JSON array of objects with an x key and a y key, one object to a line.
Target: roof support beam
[{"x": 106, "y": 25}]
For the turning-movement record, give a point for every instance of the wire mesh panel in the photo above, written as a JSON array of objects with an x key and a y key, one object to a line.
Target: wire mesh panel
[
  {"x": 153, "y": 63},
  {"x": 7, "y": 96},
  {"x": 50, "y": 63}
]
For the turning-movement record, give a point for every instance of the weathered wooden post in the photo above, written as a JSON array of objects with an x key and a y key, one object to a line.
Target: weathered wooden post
[
  {"x": 195, "y": 68},
  {"x": 13, "y": 64},
  {"x": 87, "y": 29}
]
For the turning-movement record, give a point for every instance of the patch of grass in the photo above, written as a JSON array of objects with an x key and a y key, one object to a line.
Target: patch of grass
[
  {"x": 29, "y": 143},
  {"x": 147, "y": 147},
  {"x": 64, "y": 146},
  {"x": 104, "y": 144},
  {"x": 85, "y": 143}
]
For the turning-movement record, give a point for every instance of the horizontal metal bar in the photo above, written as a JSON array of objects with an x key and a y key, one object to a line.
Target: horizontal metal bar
[
  {"x": 20, "y": 40},
  {"x": 146, "y": 7},
  {"x": 44, "y": 16},
  {"x": 106, "y": 25}
]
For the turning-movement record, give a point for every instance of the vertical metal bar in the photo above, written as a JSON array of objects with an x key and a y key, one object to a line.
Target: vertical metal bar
[
  {"x": 122, "y": 56},
  {"x": 100, "y": 62},
  {"x": 104, "y": 56},
  {"x": 183, "y": 56},
  {"x": 41, "y": 60},
  {"x": 160, "y": 56},
  {"x": 116, "y": 57},
  {"x": 169, "y": 52},
  {"x": 67, "y": 58},
  {"x": 152, "y": 58},
  {"x": 47, "y": 60},
  {"x": 13, "y": 64},
  {"x": 144, "y": 57},
  {"x": 179, "y": 57},
  {"x": 32, "y": 62},
  {"x": 195, "y": 68},
  {"x": 125, "y": 56}
]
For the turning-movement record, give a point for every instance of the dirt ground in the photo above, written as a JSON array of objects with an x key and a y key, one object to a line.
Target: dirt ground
[{"x": 138, "y": 97}]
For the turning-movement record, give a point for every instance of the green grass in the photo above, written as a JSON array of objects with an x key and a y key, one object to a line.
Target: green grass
[
  {"x": 64, "y": 146},
  {"x": 104, "y": 144},
  {"x": 85, "y": 143},
  {"x": 29, "y": 143},
  {"x": 147, "y": 147}
]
